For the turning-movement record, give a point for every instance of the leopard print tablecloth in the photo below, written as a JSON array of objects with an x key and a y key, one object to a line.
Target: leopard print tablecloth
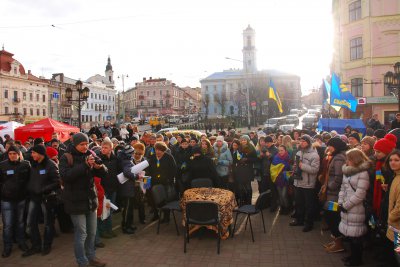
[{"x": 224, "y": 198}]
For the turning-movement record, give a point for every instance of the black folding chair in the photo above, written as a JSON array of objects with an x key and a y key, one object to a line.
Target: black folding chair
[
  {"x": 201, "y": 213},
  {"x": 160, "y": 200},
  {"x": 250, "y": 210},
  {"x": 201, "y": 182}
]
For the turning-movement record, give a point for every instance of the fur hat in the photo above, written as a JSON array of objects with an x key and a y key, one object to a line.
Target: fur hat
[
  {"x": 337, "y": 143},
  {"x": 386, "y": 144},
  {"x": 220, "y": 138}
]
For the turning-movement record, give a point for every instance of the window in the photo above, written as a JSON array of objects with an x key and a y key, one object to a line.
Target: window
[
  {"x": 37, "y": 97},
  {"x": 206, "y": 88},
  {"x": 154, "y": 103},
  {"x": 356, "y": 48},
  {"x": 148, "y": 93},
  {"x": 15, "y": 110},
  {"x": 95, "y": 96},
  {"x": 37, "y": 112},
  {"x": 154, "y": 93},
  {"x": 91, "y": 95},
  {"x": 15, "y": 95},
  {"x": 31, "y": 97},
  {"x": 357, "y": 87},
  {"x": 160, "y": 92},
  {"x": 25, "y": 112},
  {"x": 141, "y": 103},
  {"x": 161, "y": 103},
  {"x": 6, "y": 94},
  {"x": 6, "y": 110},
  {"x": 91, "y": 118},
  {"x": 15, "y": 70},
  {"x": 95, "y": 107},
  {"x": 44, "y": 98},
  {"x": 87, "y": 118},
  {"x": 355, "y": 11},
  {"x": 44, "y": 112},
  {"x": 24, "y": 96},
  {"x": 31, "y": 111}
]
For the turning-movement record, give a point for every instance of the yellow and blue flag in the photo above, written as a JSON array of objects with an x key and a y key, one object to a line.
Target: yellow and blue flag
[
  {"x": 333, "y": 206},
  {"x": 379, "y": 176},
  {"x": 273, "y": 94},
  {"x": 341, "y": 95},
  {"x": 276, "y": 170}
]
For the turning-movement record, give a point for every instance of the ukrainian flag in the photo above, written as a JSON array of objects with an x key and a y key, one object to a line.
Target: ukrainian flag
[
  {"x": 273, "y": 94},
  {"x": 379, "y": 176},
  {"x": 333, "y": 206}
]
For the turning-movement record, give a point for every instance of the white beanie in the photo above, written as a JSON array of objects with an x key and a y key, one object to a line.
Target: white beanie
[{"x": 220, "y": 138}]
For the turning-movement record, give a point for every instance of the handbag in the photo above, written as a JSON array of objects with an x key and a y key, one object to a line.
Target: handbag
[{"x": 322, "y": 194}]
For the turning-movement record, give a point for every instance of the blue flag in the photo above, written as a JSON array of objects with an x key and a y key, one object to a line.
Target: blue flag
[{"x": 341, "y": 95}]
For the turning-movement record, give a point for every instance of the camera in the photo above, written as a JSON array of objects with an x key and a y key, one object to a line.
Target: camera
[{"x": 98, "y": 161}]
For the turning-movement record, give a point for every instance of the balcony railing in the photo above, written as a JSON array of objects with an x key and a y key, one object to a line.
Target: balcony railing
[{"x": 16, "y": 100}]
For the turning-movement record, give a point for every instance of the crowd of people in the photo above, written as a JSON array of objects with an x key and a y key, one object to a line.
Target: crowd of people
[{"x": 350, "y": 183}]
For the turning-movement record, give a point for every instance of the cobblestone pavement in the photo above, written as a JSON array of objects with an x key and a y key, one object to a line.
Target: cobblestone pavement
[{"x": 281, "y": 245}]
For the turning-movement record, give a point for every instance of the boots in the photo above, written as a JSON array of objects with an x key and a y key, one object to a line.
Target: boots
[{"x": 336, "y": 247}]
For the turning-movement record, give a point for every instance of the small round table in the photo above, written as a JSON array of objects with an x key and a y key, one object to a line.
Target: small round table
[{"x": 225, "y": 200}]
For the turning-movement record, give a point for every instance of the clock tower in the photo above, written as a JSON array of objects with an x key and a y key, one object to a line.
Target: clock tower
[{"x": 249, "y": 50}]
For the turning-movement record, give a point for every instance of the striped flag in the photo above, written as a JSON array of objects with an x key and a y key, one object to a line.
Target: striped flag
[{"x": 333, "y": 206}]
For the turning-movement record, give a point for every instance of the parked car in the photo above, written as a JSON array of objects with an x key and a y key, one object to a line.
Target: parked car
[
  {"x": 171, "y": 129},
  {"x": 309, "y": 121},
  {"x": 273, "y": 123},
  {"x": 292, "y": 119},
  {"x": 287, "y": 127},
  {"x": 295, "y": 111}
]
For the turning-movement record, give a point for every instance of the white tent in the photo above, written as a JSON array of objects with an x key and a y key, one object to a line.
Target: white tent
[{"x": 9, "y": 127}]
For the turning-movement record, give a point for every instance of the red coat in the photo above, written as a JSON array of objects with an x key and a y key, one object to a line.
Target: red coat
[{"x": 100, "y": 195}]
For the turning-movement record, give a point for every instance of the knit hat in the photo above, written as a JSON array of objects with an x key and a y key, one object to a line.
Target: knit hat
[
  {"x": 307, "y": 138},
  {"x": 79, "y": 138},
  {"x": 268, "y": 139},
  {"x": 51, "y": 152},
  {"x": 356, "y": 136},
  {"x": 220, "y": 138},
  {"x": 128, "y": 150},
  {"x": 337, "y": 143},
  {"x": 13, "y": 148},
  {"x": 369, "y": 141},
  {"x": 38, "y": 141},
  {"x": 386, "y": 144},
  {"x": 40, "y": 149},
  {"x": 245, "y": 137},
  {"x": 380, "y": 133}
]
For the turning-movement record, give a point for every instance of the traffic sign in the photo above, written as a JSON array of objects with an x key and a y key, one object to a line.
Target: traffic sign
[{"x": 253, "y": 103}]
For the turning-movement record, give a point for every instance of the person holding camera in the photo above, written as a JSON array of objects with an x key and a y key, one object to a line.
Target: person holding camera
[
  {"x": 77, "y": 171},
  {"x": 305, "y": 177},
  {"x": 44, "y": 182},
  {"x": 14, "y": 177}
]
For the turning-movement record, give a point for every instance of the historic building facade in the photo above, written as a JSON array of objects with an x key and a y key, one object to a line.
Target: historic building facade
[
  {"x": 232, "y": 92},
  {"x": 366, "y": 46},
  {"x": 24, "y": 97}
]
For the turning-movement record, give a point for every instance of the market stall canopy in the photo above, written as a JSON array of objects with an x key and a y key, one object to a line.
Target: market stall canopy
[
  {"x": 45, "y": 128},
  {"x": 9, "y": 127}
]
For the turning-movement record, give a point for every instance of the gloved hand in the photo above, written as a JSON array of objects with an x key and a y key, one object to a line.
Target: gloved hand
[{"x": 341, "y": 209}]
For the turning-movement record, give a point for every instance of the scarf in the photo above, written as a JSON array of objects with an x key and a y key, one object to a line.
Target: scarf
[{"x": 379, "y": 180}]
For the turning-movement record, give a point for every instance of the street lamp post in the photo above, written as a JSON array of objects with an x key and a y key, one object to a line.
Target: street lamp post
[
  {"x": 121, "y": 108},
  {"x": 83, "y": 95},
  {"x": 247, "y": 93},
  {"x": 392, "y": 81}
]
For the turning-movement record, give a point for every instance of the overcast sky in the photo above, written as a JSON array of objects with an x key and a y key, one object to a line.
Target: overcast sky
[{"x": 182, "y": 41}]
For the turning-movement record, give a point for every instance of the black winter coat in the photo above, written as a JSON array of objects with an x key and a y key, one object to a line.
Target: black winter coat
[
  {"x": 165, "y": 173},
  {"x": 14, "y": 178},
  {"x": 79, "y": 193},
  {"x": 203, "y": 167},
  {"x": 44, "y": 178},
  {"x": 110, "y": 181}
]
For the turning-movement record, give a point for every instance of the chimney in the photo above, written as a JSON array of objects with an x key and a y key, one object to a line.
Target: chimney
[
  {"x": 151, "y": 78},
  {"x": 29, "y": 72},
  {"x": 144, "y": 79}
]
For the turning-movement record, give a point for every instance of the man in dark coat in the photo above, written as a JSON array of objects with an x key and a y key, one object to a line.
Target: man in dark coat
[
  {"x": 396, "y": 122},
  {"x": 80, "y": 199},
  {"x": 44, "y": 181},
  {"x": 14, "y": 177}
]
